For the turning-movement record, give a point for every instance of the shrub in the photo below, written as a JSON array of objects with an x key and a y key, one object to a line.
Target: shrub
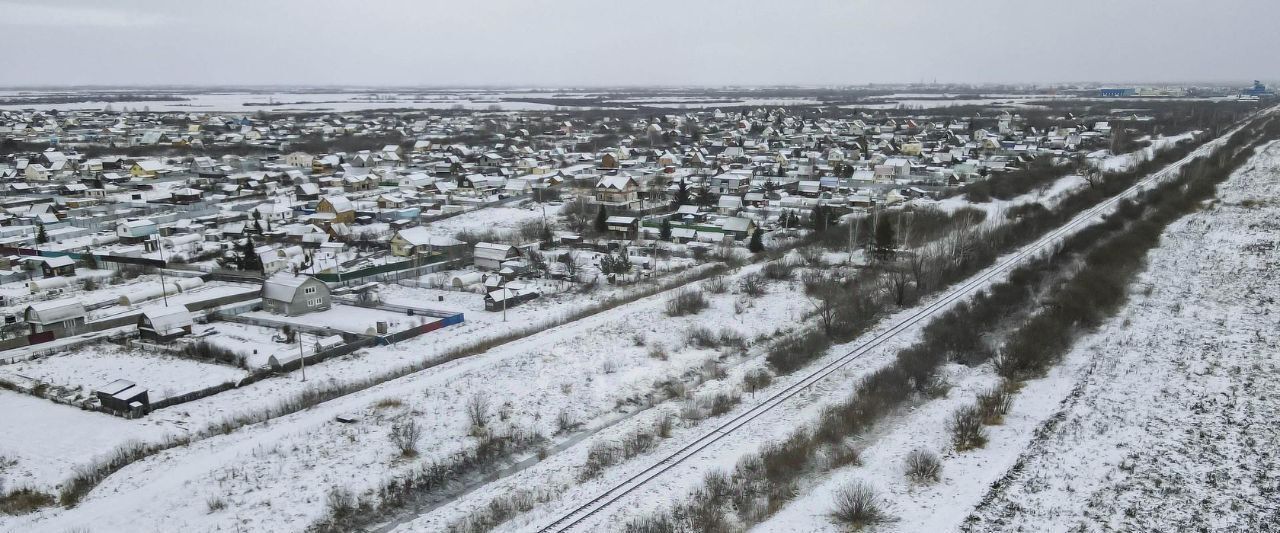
[
  {"x": 794, "y": 351},
  {"x": 722, "y": 402},
  {"x": 716, "y": 285},
  {"x": 778, "y": 270},
  {"x": 753, "y": 285},
  {"x": 702, "y": 337},
  {"x": 858, "y": 506},
  {"x": 23, "y": 501},
  {"x": 477, "y": 409},
  {"x": 923, "y": 466},
  {"x": 341, "y": 503},
  {"x": 966, "y": 428},
  {"x": 994, "y": 404},
  {"x": 686, "y": 302},
  {"x": 208, "y": 351},
  {"x": 215, "y": 504},
  {"x": 658, "y": 351},
  {"x": 663, "y": 428},
  {"x": 405, "y": 436},
  {"x": 756, "y": 379}
]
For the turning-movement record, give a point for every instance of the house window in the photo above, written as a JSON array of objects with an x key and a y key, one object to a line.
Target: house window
[
  {"x": 312, "y": 302},
  {"x": 309, "y": 290}
]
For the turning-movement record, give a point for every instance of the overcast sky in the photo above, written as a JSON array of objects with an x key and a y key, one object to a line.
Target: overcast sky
[{"x": 652, "y": 42}]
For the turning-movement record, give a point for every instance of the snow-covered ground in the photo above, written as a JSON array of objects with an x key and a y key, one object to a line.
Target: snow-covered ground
[
  {"x": 1048, "y": 195},
  {"x": 30, "y": 441},
  {"x": 1107, "y": 162},
  {"x": 275, "y": 476},
  {"x": 92, "y": 367},
  {"x": 1174, "y": 427},
  {"x": 1151, "y": 423},
  {"x": 499, "y": 219},
  {"x": 773, "y": 426}
]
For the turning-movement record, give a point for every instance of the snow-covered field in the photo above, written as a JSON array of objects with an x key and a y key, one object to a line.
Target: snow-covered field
[
  {"x": 1152, "y": 423},
  {"x": 1107, "y": 162},
  {"x": 773, "y": 426},
  {"x": 1173, "y": 429},
  {"x": 498, "y": 219},
  {"x": 275, "y": 476},
  {"x": 89, "y": 368},
  {"x": 30, "y": 441}
]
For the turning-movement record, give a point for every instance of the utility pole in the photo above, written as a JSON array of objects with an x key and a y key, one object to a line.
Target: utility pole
[
  {"x": 302, "y": 356},
  {"x": 853, "y": 236},
  {"x": 164, "y": 293}
]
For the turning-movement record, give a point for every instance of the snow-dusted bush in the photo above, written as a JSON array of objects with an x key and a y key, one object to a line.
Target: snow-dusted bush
[
  {"x": 857, "y": 506},
  {"x": 716, "y": 285},
  {"x": 923, "y": 466},
  {"x": 687, "y": 302},
  {"x": 405, "y": 436},
  {"x": 966, "y": 428},
  {"x": 778, "y": 270},
  {"x": 995, "y": 403},
  {"x": 753, "y": 285},
  {"x": 477, "y": 409}
]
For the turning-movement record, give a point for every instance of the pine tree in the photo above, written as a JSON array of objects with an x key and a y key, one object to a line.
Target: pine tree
[
  {"x": 682, "y": 194},
  {"x": 41, "y": 236},
  {"x": 756, "y": 245},
  {"x": 664, "y": 230},
  {"x": 820, "y": 218},
  {"x": 884, "y": 236},
  {"x": 704, "y": 197},
  {"x": 249, "y": 259},
  {"x": 602, "y": 220},
  {"x": 546, "y": 234}
]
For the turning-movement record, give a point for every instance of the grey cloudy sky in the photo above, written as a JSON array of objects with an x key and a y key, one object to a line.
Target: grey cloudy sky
[{"x": 613, "y": 42}]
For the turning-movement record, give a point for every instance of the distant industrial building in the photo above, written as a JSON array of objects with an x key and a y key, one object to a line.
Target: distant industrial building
[
  {"x": 1258, "y": 89},
  {"x": 1117, "y": 92}
]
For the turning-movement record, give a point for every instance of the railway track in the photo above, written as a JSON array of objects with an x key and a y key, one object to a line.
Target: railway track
[{"x": 602, "y": 501}]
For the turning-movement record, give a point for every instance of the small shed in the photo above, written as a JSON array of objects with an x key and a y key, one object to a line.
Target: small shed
[
  {"x": 489, "y": 256},
  {"x": 57, "y": 266},
  {"x": 63, "y": 314},
  {"x": 624, "y": 227},
  {"x": 507, "y": 298},
  {"x": 123, "y": 396},
  {"x": 165, "y": 323}
]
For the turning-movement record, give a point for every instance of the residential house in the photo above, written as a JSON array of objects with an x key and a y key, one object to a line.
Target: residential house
[
  {"x": 622, "y": 191},
  {"x": 337, "y": 209},
  {"x": 292, "y": 295},
  {"x": 147, "y": 168}
]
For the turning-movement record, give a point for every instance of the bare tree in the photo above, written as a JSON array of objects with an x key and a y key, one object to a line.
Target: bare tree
[
  {"x": 405, "y": 436},
  {"x": 825, "y": 303},
  {"x": 896, "y": 283},
  {"x": 919, "y": 263},
  {"x": 579, "y": 214},
  {"x": 477, "y": 409}
]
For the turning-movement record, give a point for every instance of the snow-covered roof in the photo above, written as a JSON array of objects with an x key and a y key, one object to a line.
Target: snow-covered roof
[
  {"x": 166, "y": 319},
  {"x": 488, "y": 250},
  {"x": 282, "y": 286},
  {"x": 57, "y": 261},
  {"x": 417, "y": 236},
  {"x": 615, "y": 182},
  {"x": 340, "y": 204},
  {"x": 55, "y": 311}
]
